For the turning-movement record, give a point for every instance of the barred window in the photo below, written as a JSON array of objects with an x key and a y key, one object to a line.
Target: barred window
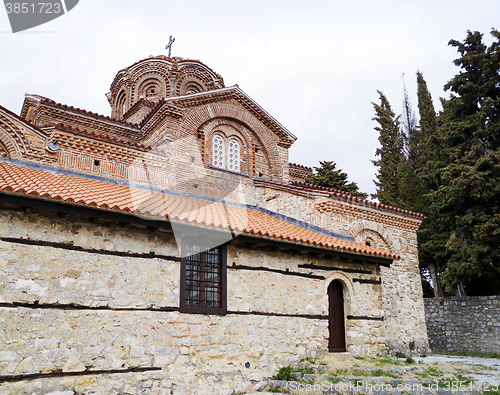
[
  {"x": 226, "y": 155},
  {"x": 218, "y": 152},
  {"x": 203, "y": 279},
  {"x": 234, "y": 156}
]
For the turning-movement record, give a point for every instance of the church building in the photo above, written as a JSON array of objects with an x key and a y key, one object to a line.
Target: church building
[{"x": 172, "y": 248}]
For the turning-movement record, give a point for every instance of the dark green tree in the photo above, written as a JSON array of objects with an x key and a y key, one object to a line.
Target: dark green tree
[
  {"x": 328, "y": 176},
  {"x": 432, "y": 234},
  {"x": 410, "y": 186},
  {"x": 390, "y": 152},
  {"x": 466, "y": 201},
  {"x": 410, "y": 130}
]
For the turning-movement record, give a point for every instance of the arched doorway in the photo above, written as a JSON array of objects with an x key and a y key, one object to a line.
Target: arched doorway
[{"x": 336, "y": 318}]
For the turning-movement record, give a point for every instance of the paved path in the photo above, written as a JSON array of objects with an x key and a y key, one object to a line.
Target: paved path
[{"x": 492, "y": 363}]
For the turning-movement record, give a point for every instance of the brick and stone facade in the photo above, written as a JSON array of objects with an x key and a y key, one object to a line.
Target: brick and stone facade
[{"x": 90, "y": 298}]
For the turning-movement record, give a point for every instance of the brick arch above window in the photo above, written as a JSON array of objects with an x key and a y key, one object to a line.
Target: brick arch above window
[
  {"x": 267, "y": 140},
  {"x": 367, "y": 232}
]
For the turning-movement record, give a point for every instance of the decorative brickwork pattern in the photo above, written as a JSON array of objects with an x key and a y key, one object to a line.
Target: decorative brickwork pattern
[
  {"x": 156, "y": 78},
  {"x": 299, "y": 173}
]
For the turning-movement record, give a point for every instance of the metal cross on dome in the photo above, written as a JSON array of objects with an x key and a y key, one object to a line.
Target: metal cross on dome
[{"x": 169, "y": 45}]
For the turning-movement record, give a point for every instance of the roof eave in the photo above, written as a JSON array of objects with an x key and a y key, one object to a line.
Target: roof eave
[{"x": 26, "y": 201}]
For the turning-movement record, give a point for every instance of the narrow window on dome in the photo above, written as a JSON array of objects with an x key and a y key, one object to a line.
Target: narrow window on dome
[
  {"x": 218, "y": 152},
  {"x": 233, "y": 156}
]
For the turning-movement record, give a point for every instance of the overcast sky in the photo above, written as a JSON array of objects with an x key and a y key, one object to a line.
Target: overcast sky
[{"x": 315, "y": 66}]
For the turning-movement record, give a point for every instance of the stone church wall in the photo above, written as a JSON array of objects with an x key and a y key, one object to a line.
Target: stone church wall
[
  {"x": 404, "y": 316},
  {"x": 95, "y": 307},
  {"x": 468, "y": 324}
]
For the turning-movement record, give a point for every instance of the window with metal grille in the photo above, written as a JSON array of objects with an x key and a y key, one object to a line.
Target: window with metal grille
[
  {"x": 226, "y": 155},
  {"x": 234, "y": 156},
  {"x": 203, "y": 279},
  {"x": 218, "y": 152}
]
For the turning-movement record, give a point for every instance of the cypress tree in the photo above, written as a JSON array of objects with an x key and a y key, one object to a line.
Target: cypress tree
[
  {"x": 390, "y": 152},
  {"x": 411, "y": 132},
  {"x": 432, "y": 234}
]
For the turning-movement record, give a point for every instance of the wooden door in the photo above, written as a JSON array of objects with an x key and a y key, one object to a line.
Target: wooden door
[{"x": 336, "y": 317}]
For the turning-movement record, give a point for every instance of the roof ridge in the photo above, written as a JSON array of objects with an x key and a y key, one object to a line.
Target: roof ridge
[
  {"x": 53, "y": 102},
  {"x": 339, "y": 194},
  {"x": 99, "y": 135}
]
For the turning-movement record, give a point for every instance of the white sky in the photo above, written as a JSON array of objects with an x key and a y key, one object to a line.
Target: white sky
[{"x": 315, "y": 66}]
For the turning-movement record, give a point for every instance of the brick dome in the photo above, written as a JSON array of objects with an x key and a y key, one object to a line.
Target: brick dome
[{"x": 156, "y": 78}]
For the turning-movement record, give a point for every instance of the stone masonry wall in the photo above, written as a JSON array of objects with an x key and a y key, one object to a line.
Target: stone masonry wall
[
  {"x": 468, "y": 324},
  {"x": 95, "y": 307},
  {"x": 403, "y": 307}
]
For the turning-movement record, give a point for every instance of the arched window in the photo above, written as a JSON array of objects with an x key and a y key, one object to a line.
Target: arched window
[
  {"x": 120, "y": 107},
  {"x": 233, "y": 156},
  {"x": 226, "y": 155},
  {"x": 218, "y": 152}
]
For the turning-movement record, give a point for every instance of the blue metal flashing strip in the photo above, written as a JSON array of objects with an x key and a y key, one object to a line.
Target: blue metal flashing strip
[{"x": 262, "y": 210}]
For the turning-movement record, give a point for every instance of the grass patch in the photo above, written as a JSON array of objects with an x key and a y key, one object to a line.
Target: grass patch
[
  {"x": 409, "y": 360},
  {"x": 333, "y": 379},
  {"x": 278, "y": 390},
  {"x": 285, "y": 373},
  {"x": 384, "y": 361},
  {"x": 430, "y": 372},
  {"x": 307, "y": 370},
  {"x": 491, "y": 391},
  {"x": 381, "y": 373},
  {"x": 464, "y": 380},
  {"x": 341, "y": 372}
]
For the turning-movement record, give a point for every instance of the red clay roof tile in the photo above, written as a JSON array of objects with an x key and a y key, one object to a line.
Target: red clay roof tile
[{"x": 44, "y": 184}]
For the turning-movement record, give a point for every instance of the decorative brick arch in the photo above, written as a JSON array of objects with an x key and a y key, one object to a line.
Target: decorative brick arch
[
  {"x": 196, "y": 77},
  {"x": 149, "y": 80},
  {"x": 212, "y": 111},
  {"x": 365, "y": 230},
  {"x": 11, "y": 139}
]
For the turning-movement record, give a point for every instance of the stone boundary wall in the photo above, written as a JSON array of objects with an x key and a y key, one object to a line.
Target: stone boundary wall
[{"x": 468, "y": 324}]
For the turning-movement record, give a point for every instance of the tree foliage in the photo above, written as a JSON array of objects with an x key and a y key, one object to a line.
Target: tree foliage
[
  {"x": 328, "y": 176},
  {"x": 390, "y": 152},
  {"x": 453, "y": 173},
  {"x": 467, "y": 199}
]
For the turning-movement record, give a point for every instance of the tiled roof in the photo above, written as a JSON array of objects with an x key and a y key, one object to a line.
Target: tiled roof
[
  {"x": 92, "y": 133},
  {"x": 60, "y": 105},
  {"x": 296, "y": 165},
  {"x": 15, "y": 179},
  {"x": 304, "y": 186}
]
